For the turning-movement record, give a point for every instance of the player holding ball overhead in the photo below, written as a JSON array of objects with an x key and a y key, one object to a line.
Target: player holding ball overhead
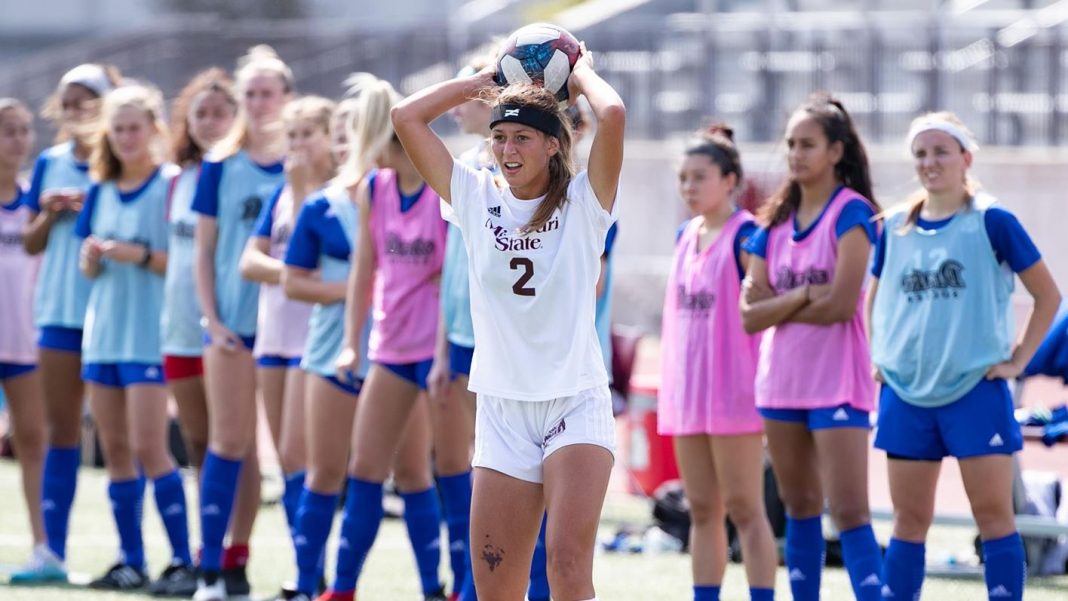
[{"x": 544, "y": 437}]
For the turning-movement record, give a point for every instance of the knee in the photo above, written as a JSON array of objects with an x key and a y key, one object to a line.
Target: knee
[
  {"x": 995, "y": 519},
  {"x": 30, "y": 445},
  {"x": 802, "y": 503},
  {"x": 911, "y": 523},
  {"x": 850, "y": 513},
  {"x": 155, "y": 460},
  {"x": 706, "y": 511},
  {"x": 411, "y": 479},
  {"x": 566, "y": 564},
  {"x": 291, "y": 462},
  {"x": 744, "y": 512},
  {"x": 325, "y": 480},
  {"x": 230, "y": 446},
  {"x": 194, "y": 451}
]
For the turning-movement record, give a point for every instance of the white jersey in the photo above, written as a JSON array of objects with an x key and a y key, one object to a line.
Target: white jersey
[{"x": 533, "y": 296}]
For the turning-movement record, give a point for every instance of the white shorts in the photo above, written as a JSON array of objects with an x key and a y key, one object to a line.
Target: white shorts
[{"x": 515, "y": 437}]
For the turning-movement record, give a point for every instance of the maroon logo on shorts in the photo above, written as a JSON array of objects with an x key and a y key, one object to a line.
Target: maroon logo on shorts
[{"x": 555, "y": 431}]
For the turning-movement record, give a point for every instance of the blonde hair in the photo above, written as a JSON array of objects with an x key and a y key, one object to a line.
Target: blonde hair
[
  {"x": 259, "y": 60},
  {"x": 103, "y": 164},
  {"x": 914, "y": 202},
  {"x": 369, "y": 127},
  {"x": 561, "y": 165},
  {"x": 316, "y": 108},
  {"x": 52, "y": 108}
]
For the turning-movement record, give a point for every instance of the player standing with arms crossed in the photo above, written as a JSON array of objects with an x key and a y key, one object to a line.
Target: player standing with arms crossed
[
  {"x": 544, "y": 432},
  {"x": 941, "y": 330},
  {"x": 813, "y": 383}
]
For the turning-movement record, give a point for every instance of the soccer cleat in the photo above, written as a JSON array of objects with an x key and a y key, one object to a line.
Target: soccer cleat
[
  {"x": 236, "y": 582},
  {"x": 210, "y": 587},
  {"x": 120, "y": 577},
  {"x": 178, "y": 580},
  {"x": 291, "y": 594},
  {"x": 44, "y": 566},
  {"x": 454, "y": 597},
  {"x": 438, "y": 595}
]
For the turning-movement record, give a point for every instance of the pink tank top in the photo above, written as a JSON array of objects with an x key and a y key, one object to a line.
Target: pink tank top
[
  {"x": 807, "y": 366},
  {"x": 18, "y": 272},
  {"x": 708, "y": 362},
  {"x": 282, "y": 328},
  {"x": 409, "y": 251}
]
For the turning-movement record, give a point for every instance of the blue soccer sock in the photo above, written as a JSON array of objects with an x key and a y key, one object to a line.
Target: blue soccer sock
[
  {"x": 903, "y": 569},
  {"x": 539, "y": 575},
  {"x": 170, "y": 501},
  {"x": 804, "y": 556},
  {"x": 863, "y": 561},
  {"x": 761, "y": 594},
  {"x": 125, "y": 496},
  {"x": 467, "y": 593},
  {"x": 456, "y": 495},
  {"x": 422, "y": 515},
  {"x": 1005, "y": 567},
  {"x": 704, "y": 592},
  {"x": 359, "y": 527},
  {"x": 314, "y": 517},
  {"x": 294, "y": 488},
  {"x": 57, "y": 495},
  {"x": 218, "y": 488}
]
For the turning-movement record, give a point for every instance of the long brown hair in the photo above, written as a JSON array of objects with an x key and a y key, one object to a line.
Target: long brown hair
[
  {"x": 716, "y": 142},
  {"x": 915, "y": 201},
  {"x": 185, "y": 149},
  {"x": 851, "y": 170},
  {"x": 103, "y": 164},
  {"x": 561, "y": 167}
]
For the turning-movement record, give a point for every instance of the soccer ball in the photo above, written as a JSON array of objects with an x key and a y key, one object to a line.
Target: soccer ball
[{"x": 542, "y": 54}]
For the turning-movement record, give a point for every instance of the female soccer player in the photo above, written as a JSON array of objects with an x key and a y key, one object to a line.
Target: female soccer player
[
  {"x": 203, "y": 113},
  {"x": 813, "y": 383},
  {"x": 544, "y": 433},
  {"x": 283, "y": 322},
  {"x": 124, "y": 253},
  {"x": 708, "y": 365},
  {"x": 401, "y": 243},
  {"x": 19, "y": 376},
  {"x": 242, "y": 173},
  {"x": 941, "y": 331},
  {"x": 60, "y": 179}
]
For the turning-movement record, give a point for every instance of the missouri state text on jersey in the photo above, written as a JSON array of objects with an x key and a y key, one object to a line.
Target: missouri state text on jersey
[{"x": 506, "y": 242}]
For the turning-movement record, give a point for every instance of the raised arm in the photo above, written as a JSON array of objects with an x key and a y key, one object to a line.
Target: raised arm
[
  {"x": 412, "y": 118},
  {"x": 606, "y": 152}
]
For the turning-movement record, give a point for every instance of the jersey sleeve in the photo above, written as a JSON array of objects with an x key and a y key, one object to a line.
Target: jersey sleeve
[
  {"x": 33, "y": 197},
  {"x": 206, "y": 197},
  {"x": 879, "y": 256},
  {"x": 741, "y": 239},
  {"x": 856, "y": 213},
  {"x": 305, "y": 241},
  {"x": 466, "y": 185},
  {"x": 1010, "y": 241},
  {"x": 758, "y": 243},
  {"x": 581, "y": 191},
  {"x": 265, "y": 221},
  {"x": 83, "y": 226}
]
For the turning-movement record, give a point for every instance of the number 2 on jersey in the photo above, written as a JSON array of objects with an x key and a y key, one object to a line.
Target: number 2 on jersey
[{"x": 520, "y": 285}]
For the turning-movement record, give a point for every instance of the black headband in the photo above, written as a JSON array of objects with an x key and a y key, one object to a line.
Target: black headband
[{"x": 541, "y": 120}]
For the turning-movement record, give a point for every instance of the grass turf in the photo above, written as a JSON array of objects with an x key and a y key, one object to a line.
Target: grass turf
[{"x": 390, "y": 570}]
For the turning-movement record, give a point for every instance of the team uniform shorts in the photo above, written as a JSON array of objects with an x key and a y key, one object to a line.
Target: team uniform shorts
[
  {"x": 121, "y": 375},
  {"x": 979, "y": 423},
  {"x": 515, "y": 437},
  {"x": 842, "y": 416}
]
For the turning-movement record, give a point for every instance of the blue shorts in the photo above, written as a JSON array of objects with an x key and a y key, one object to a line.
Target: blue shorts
[
  {"x": 460, "y": 360},
  {"x": 277, "y": 361},
  {"x": 121, "y": 375},
  {"x": 416, "y": 373},
  {"x": 979, "y": 423},
  {"x": 842, "y": 416},
  {"x": 342, "y": 386},
  {"x": 248, "y": 341},
  {"x": 14, "y": 370},
  {"x": 59, "y": 338}
]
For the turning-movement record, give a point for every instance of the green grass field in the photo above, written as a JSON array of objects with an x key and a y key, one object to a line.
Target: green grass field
[{"x": 390, "y": 572}]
